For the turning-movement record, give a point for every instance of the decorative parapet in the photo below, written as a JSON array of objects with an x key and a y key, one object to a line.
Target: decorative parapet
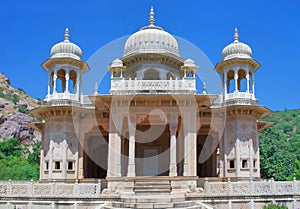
[
  {"x": 31, "y": 189},
  {"x": 62, "y": 100},
  {"x": 250, "y": 188},
  {"x": 122, "y": 86},
  {"x": 62, "y": 96},
  {"x": 239, "y": 95}
]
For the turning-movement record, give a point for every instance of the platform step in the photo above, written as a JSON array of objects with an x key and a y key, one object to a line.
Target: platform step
[
  {"x": 146, "y": 187},
  {"x": 187, "y": 204}
]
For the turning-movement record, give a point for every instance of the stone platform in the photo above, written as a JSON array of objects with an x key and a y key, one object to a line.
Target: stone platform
[{"x": 88, "y": 195}]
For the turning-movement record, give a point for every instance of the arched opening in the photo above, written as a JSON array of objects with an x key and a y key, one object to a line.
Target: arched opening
[
  {"x": 131, "y": 75},
  {"x": 152, "y": 150},
  {"x": 151, "y": 74},
  {"x": 207, "y": 159},
  {"x": 251, "y": 82},
  {"x": 72, "y": 82},
  {"x": 242, "y": 81},
  {"x": 51, "y": 82},
  {"x": 95, "y": 155},
  {"x": 61, "y": 81},
  {"x": 190, "y": 74},
  {"x": 170, "y": 76},
  {"x": 230, "y": 81}
]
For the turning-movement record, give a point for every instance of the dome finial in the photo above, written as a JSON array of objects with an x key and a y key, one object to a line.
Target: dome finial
[
  {"x": 151, "y": 18},
  {"x": 236, "y": 35},
  {"x": 67, "y": 35}
]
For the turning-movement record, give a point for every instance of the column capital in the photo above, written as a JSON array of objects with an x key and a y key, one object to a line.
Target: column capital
[
  {"x": 67, "y": 76},
  {"x": 173, "y": 121}
]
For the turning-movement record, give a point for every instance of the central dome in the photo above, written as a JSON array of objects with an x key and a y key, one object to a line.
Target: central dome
[{"x": 151, "y": 39}]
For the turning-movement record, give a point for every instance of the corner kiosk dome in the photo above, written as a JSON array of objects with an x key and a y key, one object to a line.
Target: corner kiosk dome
[
  {"x": 151, "y": 39},
  {"x": 236, "y": 49},
  {"x": 66, "y": 49}
]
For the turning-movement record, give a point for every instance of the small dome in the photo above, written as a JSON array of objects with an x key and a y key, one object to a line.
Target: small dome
[
  {"x": 151, "y": 39},
  {"x": 117, "y": 63},
  {"x": 66, "y": 49},
  {"x": 189, "y": 63},
  {"x": 236, "y": 49}
]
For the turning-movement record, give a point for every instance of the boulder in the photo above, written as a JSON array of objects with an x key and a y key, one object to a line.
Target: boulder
[
  {"x": 22, "y": 103},
  {"x": 9, "y": 130},
  {"x": 20, "y": 118},
  {"x": 2, "y": 119}
]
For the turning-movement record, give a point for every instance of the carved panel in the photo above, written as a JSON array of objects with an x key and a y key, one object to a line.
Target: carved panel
[
  {"x": 262, "y": 188},
  {"x": 87, "y": 189},
  {"x": 42, "y": 190},
  {"x": 3, "y": 190},
  {"x": 240, "y": 188},
  {"x": 283, "y": 188},
  {"x": 297, "y": 189},
  {"x": 217, "y": 188},
  {"x": 57, "y": 151},
  {"x": 20, "y": 189},
  {"x": 64, "y": 190}
]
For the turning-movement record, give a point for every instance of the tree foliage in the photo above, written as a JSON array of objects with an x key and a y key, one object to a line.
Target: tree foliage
[
  {"x": 280, "y": 146},
  {"x": 274, "y": 206},
  {"x": 276, "y": 160},
  {"x": 19, "y": 162}
]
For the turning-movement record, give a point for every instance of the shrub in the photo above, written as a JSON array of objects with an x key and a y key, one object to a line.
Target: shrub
[
  {"x": 274, "y": 206},
  {"x": 22, "y": 109}
]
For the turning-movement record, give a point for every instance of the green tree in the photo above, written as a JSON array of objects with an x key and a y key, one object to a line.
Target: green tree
[
  {"x": 17, "y": 162},
  {"x": 18, "y": 168},
  {"x": 276, "y": 160},
  {"x": 10, "y": 147},
  {"x": 274, "y": 206}
]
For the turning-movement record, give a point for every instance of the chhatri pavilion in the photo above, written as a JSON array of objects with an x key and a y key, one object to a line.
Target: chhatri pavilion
[{"x": 154, "y": 140}]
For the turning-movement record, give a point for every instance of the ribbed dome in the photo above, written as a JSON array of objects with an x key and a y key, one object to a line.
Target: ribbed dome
[
  {"x": 151, "y": 39},
  {"x": 236, "y": 49},
  {"x": 189, "y": 63},
  {"x": 117, "y": 63},
  {"x": 66, "y": 49}
]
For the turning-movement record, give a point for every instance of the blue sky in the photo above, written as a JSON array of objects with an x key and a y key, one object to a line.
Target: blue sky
[{"x": 272, "y": 28}]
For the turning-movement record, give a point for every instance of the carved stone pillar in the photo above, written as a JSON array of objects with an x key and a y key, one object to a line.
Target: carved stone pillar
[
  {"x": 67, "y": 77},
  {"x": 225, "y": 83},
  {"x": 236, "y": 77},
  {"x": 238, "y": 157},
  {"x": 49, "y": 82},
  {"x": 50, "y": 159},
  {"x": 64, "y": 165},
  {"x": 114, "y": 147},
  {"x": 248, "y": 82},
  {"x": 54, "y": 82},
  {"x": 190, "y": 142},
  {"x": 131, "y": 157},
  {"x": 251, "y": 164},
  {"x": 77, "y": 85},
  {"x": 173, "y": 150},
  {"x": 253, "y": 85}
]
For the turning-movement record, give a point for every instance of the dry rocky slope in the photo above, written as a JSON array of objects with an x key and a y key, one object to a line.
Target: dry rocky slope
[{"x": 14, "y": 107}]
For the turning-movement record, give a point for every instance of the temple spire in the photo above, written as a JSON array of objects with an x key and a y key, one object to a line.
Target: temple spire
[
  {"x": 67, "y": 35},
  {"x": 236, "y": 35},
  {"x": 151, "y": 18}
]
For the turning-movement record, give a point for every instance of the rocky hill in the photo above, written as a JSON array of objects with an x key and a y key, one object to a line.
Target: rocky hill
[{"x": 14, "y": 107}]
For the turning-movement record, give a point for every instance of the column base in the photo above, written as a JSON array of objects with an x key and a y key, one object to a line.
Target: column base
[
  {"x": 173, "y": 170},
  {"x": 131, "y": 170}
]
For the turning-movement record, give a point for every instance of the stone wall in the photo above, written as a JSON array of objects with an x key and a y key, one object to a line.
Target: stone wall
[{"x": 229, "y": 195}]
